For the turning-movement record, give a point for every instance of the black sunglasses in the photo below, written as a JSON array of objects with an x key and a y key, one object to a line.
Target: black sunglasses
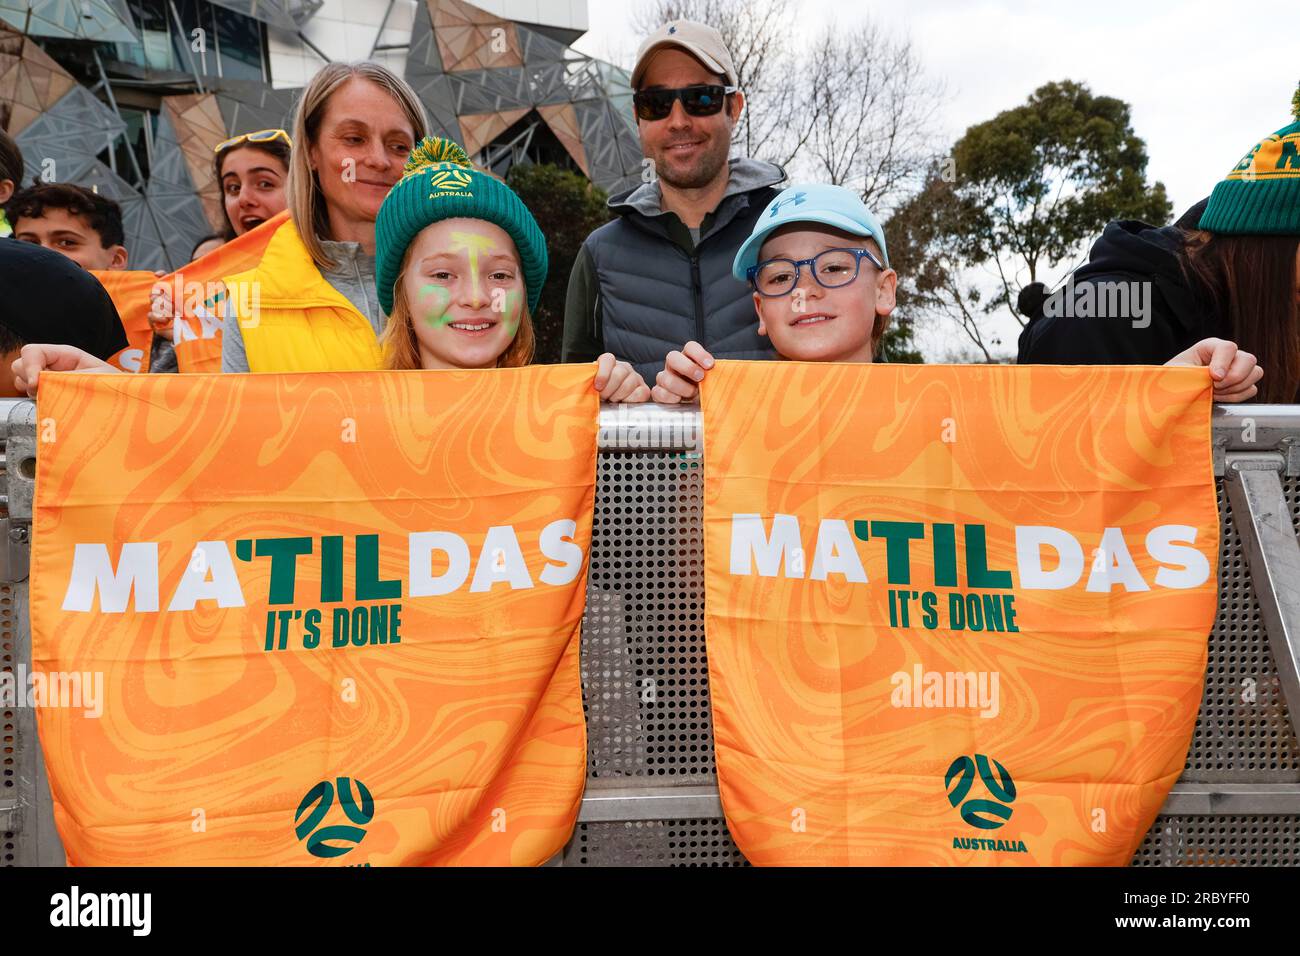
[{"x": 652, "y": 105}]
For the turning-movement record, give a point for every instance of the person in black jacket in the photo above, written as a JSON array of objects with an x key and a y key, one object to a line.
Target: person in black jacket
[
  {"x": 1228, "y": 268},
  {"x": 1139, "y": 269}
]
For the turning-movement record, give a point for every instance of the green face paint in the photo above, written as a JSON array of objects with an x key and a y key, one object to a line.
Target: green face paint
[
  {"x": 439, "y": 301},
  {"x": 473, "y": 243},
  {"x": 514, "y": 307}
]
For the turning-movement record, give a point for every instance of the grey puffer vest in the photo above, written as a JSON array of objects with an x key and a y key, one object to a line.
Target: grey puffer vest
[{"x": 655, "y": 295}]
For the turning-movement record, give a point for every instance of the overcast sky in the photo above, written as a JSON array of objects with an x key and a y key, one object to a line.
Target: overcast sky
[{"x": 1205, "y": 80}]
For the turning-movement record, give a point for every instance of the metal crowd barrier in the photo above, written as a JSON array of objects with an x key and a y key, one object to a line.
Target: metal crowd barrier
[{"x": 652, "y": 797}]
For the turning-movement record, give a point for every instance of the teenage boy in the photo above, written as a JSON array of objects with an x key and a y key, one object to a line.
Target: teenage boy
[
  {"x": 819, "y": 271},
  {"x": 82, "y": 225}
]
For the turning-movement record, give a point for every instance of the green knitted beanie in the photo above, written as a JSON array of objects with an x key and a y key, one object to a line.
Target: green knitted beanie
[
  {"x": 1261, "y": 196},
  {"x": 440, "y": 183}
]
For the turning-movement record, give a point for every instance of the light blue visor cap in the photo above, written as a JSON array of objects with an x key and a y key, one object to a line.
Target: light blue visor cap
[{"x": 810, "y": 202}]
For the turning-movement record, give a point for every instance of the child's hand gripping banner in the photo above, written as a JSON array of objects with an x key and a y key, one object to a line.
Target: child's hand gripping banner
[
  {"x": 314, "y": 619},
  {"x": 954, "y": 615}
]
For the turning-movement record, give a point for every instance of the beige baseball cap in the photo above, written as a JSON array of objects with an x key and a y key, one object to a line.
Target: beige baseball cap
[{"x": 698, "y": 39}]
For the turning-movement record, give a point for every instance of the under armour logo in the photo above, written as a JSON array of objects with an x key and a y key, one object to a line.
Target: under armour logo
[{"x": 780, "y": 204}]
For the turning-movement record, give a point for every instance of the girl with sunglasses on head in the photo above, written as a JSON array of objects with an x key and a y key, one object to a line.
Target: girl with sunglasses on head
[{"x": 251, "y": 170}]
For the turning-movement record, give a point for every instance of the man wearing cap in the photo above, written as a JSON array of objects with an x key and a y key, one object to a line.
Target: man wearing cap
[{"x": 659, "y": 274}]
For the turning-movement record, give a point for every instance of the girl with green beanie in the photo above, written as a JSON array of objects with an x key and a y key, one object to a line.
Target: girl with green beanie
[
  {"x": 459, "y": 265},
  {"x": 1229, "y": 268}
]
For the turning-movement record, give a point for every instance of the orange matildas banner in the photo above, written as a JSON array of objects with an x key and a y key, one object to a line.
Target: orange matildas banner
[
  {"x": 312, "y": 619},
  {"x": 955, "y": 615},
  {"x": 130, "y": 294},
  {"x": 201, "y": 301}
]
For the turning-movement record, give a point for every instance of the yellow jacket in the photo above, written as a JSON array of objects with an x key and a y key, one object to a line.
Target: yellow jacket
[{"x": 293, "y": 320}]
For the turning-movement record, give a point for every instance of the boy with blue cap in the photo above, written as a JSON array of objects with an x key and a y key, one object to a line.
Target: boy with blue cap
[
  {"x": 823, "y": 290},
  {"x": 818, "y": 266}
]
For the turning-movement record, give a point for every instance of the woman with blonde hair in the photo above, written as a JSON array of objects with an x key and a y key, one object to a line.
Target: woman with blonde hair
[{"x": 310, "y": 303}]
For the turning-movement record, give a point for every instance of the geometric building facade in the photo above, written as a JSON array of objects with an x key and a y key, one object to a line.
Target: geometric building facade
[{"x": 131, "y": 96}]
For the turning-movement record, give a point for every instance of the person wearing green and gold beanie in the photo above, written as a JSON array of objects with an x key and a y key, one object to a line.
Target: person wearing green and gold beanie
[
  {"x": 1261, "y": 195},
  {"x": 472, "y": 240},
  {"x": 459, "y": 266},
  {"x": 1229, "y": 268}
]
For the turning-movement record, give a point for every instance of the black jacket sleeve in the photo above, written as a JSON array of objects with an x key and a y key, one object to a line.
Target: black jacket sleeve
[{"x": 584, "y": 334}]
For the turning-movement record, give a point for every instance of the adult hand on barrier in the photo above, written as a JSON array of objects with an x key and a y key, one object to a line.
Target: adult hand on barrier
[
  {"x": 1234, "y": 371},
  {"x": 618, "y": 381},
  {"x": 682, "y": 374},
  {"x": 35, "y": 359}
]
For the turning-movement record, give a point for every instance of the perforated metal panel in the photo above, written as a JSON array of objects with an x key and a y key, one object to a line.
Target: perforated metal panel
[
  {"x": 1241, "y": 840},
  {"x": 654, "y": 843},
  {"x": 1243, "y": 731},
  {"x": 26, "y": 812},
  {"x": 9, "y": 738},
  {"x": 645, "y": 674}
]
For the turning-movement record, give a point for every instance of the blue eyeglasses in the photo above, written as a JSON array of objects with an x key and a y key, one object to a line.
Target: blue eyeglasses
[{"x": 833, "y": 268}]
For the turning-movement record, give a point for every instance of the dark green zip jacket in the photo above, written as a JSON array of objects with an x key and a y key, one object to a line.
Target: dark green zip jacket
[{"x": 643, "y": 285}]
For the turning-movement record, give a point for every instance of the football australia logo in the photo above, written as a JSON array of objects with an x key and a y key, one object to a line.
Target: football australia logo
[
  {"x": 985, "y": 812},
  {"x": 450, "y": 182},
  {"x": 335, "y": 839}
]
